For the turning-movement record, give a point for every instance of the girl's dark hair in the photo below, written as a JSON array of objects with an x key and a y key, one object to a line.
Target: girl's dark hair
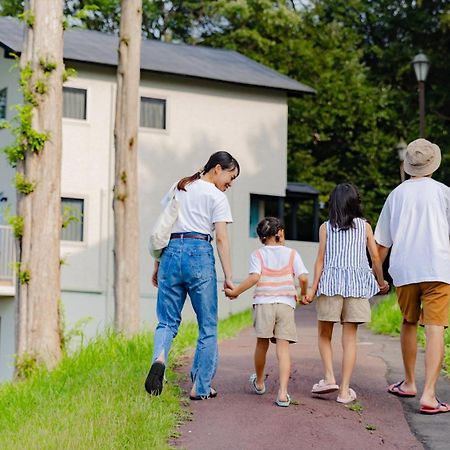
[
  {"x": 269, "y": 227},
  {"x": 345, "y": 205},
  {"x": 224, "y": 159}
]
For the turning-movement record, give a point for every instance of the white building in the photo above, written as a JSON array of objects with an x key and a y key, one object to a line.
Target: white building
[{"x": 194, "y": 101}]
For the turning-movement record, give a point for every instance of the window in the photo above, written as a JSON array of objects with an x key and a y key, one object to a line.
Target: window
[
  {"x": 72, "y": 210},
  {"x": 299, "y": 219},
  {"x": 263, "y": 206},
  {"x": 299, "y": 211},
  {"x": 3, "y": 103},
  {"x": 3, "y": 208},
  {"x": 7, "y": 255},
  {"x": 74, "y": 103},
  {"x": 153, "y": 113}
]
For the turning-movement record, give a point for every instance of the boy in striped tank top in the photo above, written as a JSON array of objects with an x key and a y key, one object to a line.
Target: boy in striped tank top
[
  {"x": 273, "y": 269},
  {"x": 343, "y": 283}
]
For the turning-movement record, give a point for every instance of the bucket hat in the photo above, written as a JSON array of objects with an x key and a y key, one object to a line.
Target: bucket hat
[{"x": 422, "y": 158}]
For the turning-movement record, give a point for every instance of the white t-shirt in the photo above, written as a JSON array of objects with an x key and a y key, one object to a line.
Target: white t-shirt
[
  {"x": 275, "y": 257},
  {"x": 200, "y": 207},
  {"x": 415, "y": 222}
]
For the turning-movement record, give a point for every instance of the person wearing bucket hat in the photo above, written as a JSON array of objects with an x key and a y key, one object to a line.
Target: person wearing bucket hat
[{"x": 415, "y": 224}]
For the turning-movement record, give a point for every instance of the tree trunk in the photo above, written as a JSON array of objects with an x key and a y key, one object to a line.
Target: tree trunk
[
  {"x": 126, "y": 213},
  {"x": 38, "y": 284}
]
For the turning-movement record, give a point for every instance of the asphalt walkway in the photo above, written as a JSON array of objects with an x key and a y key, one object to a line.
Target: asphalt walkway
[{"x": 238, "y": 419}]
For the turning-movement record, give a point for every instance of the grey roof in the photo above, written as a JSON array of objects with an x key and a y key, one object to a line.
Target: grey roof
[
  {"x": 177, "y": 59},
  {"x": 301, "y": 188}
]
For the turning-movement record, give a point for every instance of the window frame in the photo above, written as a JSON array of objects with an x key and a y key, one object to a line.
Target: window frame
[
  {"x": 264, "y": 197},
  {"x": 5, "y": 89},
  {"x": 294, "y": 199},
  {"x": 156, "y": 96},
  {"x": 82, "y": 242},
  {"x": 86, "y": 104}
]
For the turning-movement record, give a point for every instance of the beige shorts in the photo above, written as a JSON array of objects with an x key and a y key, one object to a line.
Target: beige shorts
[
  {"x": 275, "y": 321},
  {"x": 340, "y": 309},
  {"x": 425, "y": 302}
]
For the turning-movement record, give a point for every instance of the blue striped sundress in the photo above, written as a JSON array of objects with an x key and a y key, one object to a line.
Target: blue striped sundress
[{"x": 346, "y": 268}]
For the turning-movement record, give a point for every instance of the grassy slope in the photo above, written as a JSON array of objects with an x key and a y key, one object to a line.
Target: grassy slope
[{"x": 96, "y": 399}]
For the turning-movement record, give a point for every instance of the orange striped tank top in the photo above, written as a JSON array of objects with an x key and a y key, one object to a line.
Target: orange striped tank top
[{"x": 276, "y": 282}]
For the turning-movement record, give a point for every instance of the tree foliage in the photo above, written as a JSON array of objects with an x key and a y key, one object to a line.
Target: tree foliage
[
  {"x": 345, "y": 132},
  {"x": 161, "y": 19},
  {"x": 393, "y": 32}
]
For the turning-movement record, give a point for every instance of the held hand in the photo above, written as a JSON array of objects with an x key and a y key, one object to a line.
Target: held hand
[
  {"x": 384, "y": 287},
  {"x": 310, "y": 295},
  {"x": 228, "y": 283},
  {"x": 230, "y": 293},
  {"x": 304, "y": 300}
]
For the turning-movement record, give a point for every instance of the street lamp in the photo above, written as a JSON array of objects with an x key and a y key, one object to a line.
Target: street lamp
[
  {"x": 421, "y": 66},
  {"x": 401, "y": 150}
]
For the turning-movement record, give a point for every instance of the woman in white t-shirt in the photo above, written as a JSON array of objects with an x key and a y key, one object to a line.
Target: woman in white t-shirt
[{"x": 187, "y": 266}]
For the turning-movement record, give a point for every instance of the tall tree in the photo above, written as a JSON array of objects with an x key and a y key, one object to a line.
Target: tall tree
[
  {"x": 126, "y": 213},
  {"x": 37, "y": 156}
]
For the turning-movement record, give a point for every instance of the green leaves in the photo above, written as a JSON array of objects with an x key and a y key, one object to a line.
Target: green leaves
[
  {"x": 27, "y": 138},
  {"x": 23, "y": 185},
  {"x": 17, "y": 223}
]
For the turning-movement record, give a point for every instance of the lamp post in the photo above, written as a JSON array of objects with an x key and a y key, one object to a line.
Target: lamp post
[
  {"x": 401, "y": 150},
  {"x": 421, "y": 66}
]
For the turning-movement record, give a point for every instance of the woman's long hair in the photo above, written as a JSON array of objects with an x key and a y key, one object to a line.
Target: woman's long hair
[
  {"x": 345, "y": 205},
  {"x": 224, "y": 159}
]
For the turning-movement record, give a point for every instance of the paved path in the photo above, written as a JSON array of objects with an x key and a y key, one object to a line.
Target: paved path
[{"x": 239, "y": 419}]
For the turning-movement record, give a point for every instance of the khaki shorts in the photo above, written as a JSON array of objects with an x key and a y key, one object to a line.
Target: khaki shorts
[
  {"x": 275, "y": 321},
  {"x": 425, "y": 302},
  {"x": 340, "y": 309}
]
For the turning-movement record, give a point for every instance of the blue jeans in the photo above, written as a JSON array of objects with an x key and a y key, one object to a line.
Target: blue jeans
[{"x": 187, "y": 267}]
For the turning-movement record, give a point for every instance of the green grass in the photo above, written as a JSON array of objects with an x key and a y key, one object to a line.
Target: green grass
[
  {"x": 387, "y": 319},
  {"x": 96, "y": 399}
]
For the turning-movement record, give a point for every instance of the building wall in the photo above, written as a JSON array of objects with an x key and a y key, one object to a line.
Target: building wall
[
  {"x": 7, "y": 338},
  {"x": 8, "y": 79},
  {"x": 202, "y": 117}
]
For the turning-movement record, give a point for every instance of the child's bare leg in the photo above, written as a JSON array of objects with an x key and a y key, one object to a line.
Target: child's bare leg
[
  {"x": 349, "y": 330},
  {"x": 325, "y": 331},
  {"x": 262, "y": 346},
  {"x": 284, "y": 364}
]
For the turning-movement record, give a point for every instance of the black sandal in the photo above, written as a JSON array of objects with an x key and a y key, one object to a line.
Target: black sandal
[
  {"x": 212, "y": 394},
  {"x": 155, "y": 378}
]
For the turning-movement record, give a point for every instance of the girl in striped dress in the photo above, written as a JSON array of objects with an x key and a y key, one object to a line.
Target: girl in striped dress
[
  {"x": 343, "y": 283},
  {"x": 273, "y": 269}
]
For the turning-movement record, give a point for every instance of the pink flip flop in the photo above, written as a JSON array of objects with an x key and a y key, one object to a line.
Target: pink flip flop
[
  {"x": 438, "y": 409},
  {"x": 323, "y": 388},
  {"x": 396, "y": 389},
  {"x": 349, "y": 399}
]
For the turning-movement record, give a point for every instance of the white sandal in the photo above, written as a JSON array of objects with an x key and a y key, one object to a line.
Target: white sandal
[
  {"x": 283, "y": 403},
  {"x": 252, "y": 381}
]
